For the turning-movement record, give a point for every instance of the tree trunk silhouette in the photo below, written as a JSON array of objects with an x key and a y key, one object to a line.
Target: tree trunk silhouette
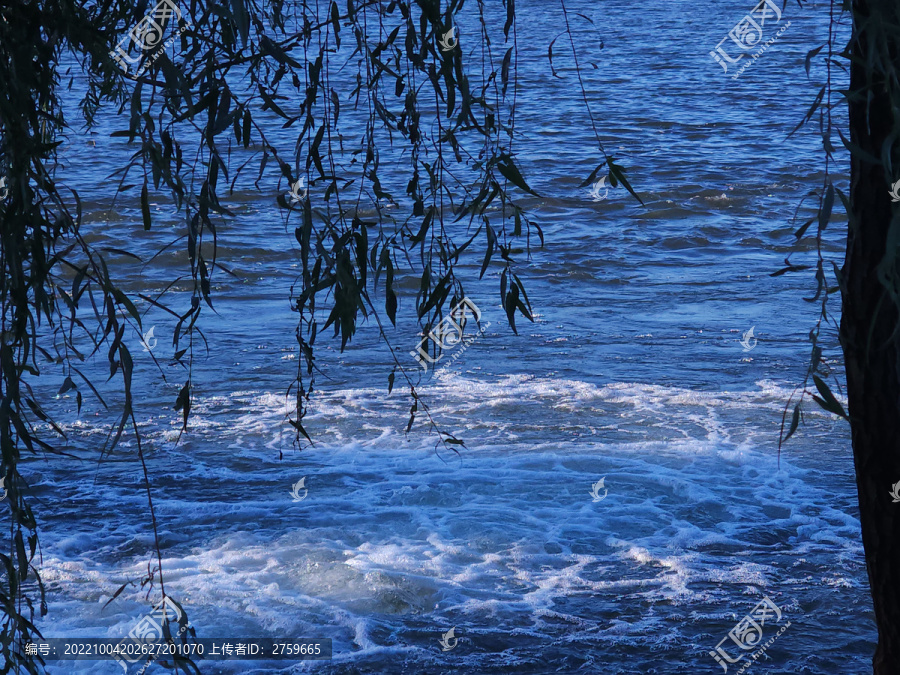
[{"x": 869, "y": 322}]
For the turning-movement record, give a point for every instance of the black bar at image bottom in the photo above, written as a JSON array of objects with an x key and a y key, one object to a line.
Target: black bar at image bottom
[{"x": 135, "y": 650}]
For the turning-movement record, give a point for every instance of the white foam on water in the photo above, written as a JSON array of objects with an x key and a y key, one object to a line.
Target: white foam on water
[{"x": 394, "y": 538}]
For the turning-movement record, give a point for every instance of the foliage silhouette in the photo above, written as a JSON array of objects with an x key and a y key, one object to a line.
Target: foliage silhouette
[{"x": 403, "y": 137}]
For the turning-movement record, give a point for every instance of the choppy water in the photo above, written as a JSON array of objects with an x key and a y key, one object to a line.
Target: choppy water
[{"x": 632, "y": 372}]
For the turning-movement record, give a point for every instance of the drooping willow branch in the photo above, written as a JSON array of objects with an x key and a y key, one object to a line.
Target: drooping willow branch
[
  {"x": 404, "y": 141},
  {"x": 821, "y": 108}
]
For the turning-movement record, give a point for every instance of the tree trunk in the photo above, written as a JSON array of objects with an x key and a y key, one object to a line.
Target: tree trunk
[{"x": 869, "y": 322}]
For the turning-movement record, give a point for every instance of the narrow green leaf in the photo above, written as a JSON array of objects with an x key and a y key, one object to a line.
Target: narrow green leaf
[
  {"x": 67, "y": 385},
  {"x": 617, "y": 174},
  {"x": 789, "y": 268},
  {"x": 809, "y": 113},
  {"x": 412, "y": 415},
  {"x": 117, "y": 593},
  {"x": 183, "y": 403},
  {"x": 828, "y": 400},
  {"x": 299, "y": 427},
  {"x": 811, "y": 55},
  {"x": 510, "y": 17},
  {"x": 802, "y": 229},
  {"x": 510, "y": 171},
  {"x": 795, "y": 420},
  {"x": 491, "y": 240},
  {"x": 145, "y": 207},
  {"x": 827, "y": 205},
  {"x": 336, "y": 24}
]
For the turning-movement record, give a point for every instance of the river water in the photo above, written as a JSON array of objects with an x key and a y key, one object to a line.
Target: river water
[{"x": 632, "y": 372}]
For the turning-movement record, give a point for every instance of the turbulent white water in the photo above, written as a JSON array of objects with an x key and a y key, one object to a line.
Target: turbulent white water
[{"x": 394, "y": 544}]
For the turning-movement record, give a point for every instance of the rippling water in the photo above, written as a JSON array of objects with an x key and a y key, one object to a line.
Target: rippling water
[{"x": 633, "y": 371}]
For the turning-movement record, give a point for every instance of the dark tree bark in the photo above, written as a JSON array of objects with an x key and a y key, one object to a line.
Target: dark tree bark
[{"x": 869, "y": 322}]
